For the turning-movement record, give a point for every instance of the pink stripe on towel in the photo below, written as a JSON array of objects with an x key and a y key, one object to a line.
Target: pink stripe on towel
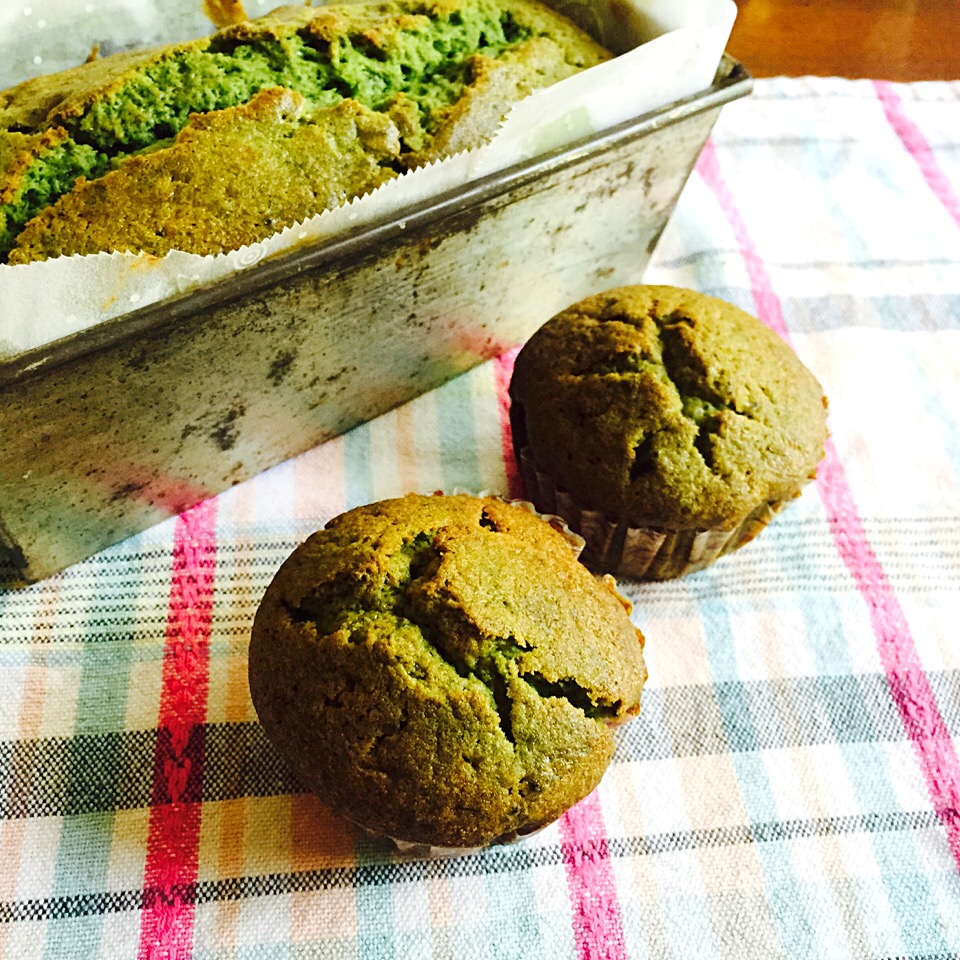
[
  {"x": 909, "y": 685},
  {"x": 916, "y": 145},
  {"x": 597, "y": 927},
  {"x": 173, "y": 841}
]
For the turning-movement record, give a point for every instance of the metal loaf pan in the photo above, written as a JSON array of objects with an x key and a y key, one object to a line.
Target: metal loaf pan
[{"x": 116, "y": 428}]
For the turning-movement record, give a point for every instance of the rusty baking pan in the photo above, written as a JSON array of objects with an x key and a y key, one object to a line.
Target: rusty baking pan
[{"x": 113, "y": 429}]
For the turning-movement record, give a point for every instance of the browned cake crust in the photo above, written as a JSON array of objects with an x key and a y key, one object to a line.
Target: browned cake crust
[{"x": 203, "y": 193}]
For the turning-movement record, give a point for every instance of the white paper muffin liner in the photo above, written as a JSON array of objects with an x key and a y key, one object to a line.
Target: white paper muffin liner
[
  {"x": 427, "y": 851},
  {"x": 645, "y": 553}
]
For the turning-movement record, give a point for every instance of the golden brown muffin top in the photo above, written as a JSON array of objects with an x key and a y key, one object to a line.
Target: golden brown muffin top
[
  {"x": 442, "y": 670},
  {"x": 667, "y": 407}
]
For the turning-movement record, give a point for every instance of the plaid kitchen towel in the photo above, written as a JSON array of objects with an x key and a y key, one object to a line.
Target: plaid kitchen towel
[{"x": 792, "y": 788}]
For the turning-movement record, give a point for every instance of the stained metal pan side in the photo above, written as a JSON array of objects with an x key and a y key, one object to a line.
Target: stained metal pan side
[{"x": 113, "y": 429}]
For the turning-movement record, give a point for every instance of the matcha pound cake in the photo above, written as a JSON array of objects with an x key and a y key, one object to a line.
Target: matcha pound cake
[
  {"x": 443, "y": 671},
  {"x": 218, "y": 142},
  {"x": 665, "y": 426}
]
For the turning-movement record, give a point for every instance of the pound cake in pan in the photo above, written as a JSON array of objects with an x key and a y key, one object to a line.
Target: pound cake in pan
[{"x": 215, "y": 143}]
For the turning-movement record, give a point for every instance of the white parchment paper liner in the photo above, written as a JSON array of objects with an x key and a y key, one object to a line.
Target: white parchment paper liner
[{"x": 669, "y": 49}]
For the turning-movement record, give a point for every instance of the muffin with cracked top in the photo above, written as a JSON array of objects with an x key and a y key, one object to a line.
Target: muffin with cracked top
[
  {"x": 442, "y": 670},
  {"x": 665, "y": 426}
]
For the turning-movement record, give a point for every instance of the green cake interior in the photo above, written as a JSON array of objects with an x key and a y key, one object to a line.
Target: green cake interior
[
  {"x": 52, "y": 173},
  {"x": 425, "y": 60}
]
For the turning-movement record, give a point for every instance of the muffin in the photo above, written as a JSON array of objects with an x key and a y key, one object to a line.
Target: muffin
[
  {"x": 665, "y": 426},
  {"x": 218, "y": 142},
  {"x": 443, "y": 671}
]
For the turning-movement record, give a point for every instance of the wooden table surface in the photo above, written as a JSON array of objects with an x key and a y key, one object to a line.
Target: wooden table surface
[{"x": 879, "y": 39}]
